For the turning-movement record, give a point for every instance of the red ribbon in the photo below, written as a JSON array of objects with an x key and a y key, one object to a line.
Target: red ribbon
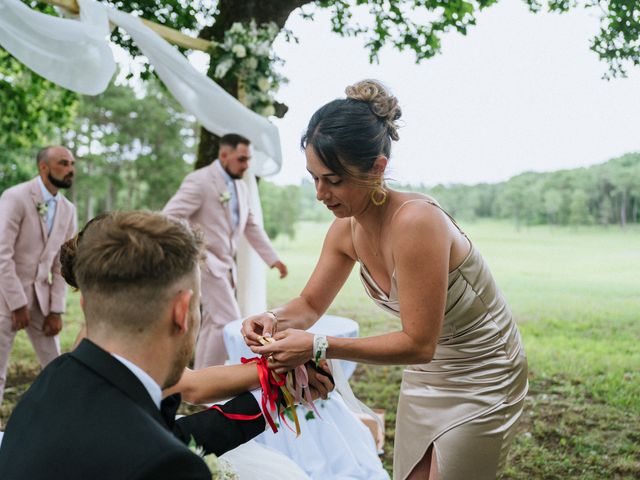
[{"x": 269, "y": 385}]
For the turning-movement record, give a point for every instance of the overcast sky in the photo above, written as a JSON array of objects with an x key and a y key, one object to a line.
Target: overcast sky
[{"x": 520, "y": 92}]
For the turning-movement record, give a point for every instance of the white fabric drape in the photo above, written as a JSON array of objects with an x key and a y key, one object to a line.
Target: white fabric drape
[
  {"x": 72, "y": 54},
  {"x": 76, "y": 55},
  {"x": 252, "y": 280}
]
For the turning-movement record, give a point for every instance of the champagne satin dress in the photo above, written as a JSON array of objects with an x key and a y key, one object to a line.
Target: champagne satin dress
[{"x": 467, "y": 400}]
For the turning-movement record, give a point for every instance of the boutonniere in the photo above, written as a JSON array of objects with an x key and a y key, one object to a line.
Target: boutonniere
[
  {"x": 220, "y": 468},
  {"x": 42, "y": 208},
  {"x": 224, "y": 197}
]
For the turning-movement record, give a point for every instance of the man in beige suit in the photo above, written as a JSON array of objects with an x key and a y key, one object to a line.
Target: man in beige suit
[
  {"x": 35, "y": 220},
  {"x": 217, "y": 201}
]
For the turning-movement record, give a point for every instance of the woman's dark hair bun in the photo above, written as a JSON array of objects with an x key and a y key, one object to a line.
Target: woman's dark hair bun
[
  {"x": 67, "y": 256},
  {"x": 381, "y": 102}
]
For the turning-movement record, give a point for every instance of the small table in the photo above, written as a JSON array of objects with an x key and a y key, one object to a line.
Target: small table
[
  {"x": 338, "y": 445},
  {"x": 327, "y": 325}
]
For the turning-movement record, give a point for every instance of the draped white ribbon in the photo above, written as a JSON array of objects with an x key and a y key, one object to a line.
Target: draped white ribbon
[
  {"x": 72, "y": 54},
  {"x": 76, "y": 55}
]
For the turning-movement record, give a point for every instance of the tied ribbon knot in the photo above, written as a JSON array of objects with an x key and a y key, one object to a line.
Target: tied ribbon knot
[{"x": 270, "y": 383}]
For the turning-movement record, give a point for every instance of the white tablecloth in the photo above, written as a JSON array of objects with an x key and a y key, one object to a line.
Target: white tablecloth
[
  {"x": 326, "y": 325},
  {"x": 337, "y": 446}
]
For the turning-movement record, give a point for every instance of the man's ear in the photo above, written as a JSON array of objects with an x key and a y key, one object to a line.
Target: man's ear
[{"x": 180, "y": 311}]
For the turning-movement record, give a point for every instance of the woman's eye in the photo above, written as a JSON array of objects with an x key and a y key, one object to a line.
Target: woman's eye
[{"x": 335, "y": 182}]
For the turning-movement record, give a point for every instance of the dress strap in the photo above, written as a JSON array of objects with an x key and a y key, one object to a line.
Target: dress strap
[
  {"x": 430, "y": 201},
  {"x": 353, "y": 234}
]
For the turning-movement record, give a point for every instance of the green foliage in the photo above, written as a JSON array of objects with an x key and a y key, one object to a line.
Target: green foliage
[
  {"x": 416, "y": 25},
  {"x": 604, "y": 194},
  {"x": 33, "y": 113},
  {"x": 618, "y": 41},
  {"x": 281, "y": 209},
  {"x": 133, "y": 152}
]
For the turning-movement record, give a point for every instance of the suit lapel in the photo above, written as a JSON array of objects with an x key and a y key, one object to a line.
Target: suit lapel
[
  {"x": 36, "y": 195},
  {"x": 112, "y": 370},
  {"x": 243, "y": 206},
  {"x": 221, "y": 187},
  {"x": 58, "y": 221}
]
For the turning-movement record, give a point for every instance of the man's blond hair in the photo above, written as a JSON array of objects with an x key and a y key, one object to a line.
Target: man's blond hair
[{"x": 128, "y": 265}]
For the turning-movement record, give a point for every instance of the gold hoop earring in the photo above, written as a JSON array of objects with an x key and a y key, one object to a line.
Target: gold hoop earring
[{"x": 381, "y": 195}]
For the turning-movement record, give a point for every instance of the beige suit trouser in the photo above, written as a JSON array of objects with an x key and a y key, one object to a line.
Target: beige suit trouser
[
  {"x": 219, "y": 307},
  {"x": 46, "y": 348}
]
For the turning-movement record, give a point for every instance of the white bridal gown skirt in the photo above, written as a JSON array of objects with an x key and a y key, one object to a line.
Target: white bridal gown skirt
[{"x": 252, "y": 461}]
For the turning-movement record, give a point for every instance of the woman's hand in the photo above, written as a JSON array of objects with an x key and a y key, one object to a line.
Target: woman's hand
[
  {"x": 262, "y": 324},
  {"x": 291, "y": 348}
]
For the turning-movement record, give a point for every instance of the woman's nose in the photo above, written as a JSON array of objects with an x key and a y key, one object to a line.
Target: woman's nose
[{"x": 321, "y": 192}]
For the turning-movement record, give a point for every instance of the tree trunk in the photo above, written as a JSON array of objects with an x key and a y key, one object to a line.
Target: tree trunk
[
  {"x": 231, "y": 11},
  {"x": 623, "y": 209}
]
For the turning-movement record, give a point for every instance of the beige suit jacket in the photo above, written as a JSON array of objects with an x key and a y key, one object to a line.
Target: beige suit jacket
[
  {"x": 28, "y": 256},
  {"x": 199, "y": 201}
]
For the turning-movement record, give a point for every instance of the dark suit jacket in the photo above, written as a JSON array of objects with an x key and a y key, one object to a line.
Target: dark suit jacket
[{"x": 87, "y": 417}]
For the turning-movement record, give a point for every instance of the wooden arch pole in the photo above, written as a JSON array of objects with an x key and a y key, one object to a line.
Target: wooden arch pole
[{"x": 169, "y": 34}]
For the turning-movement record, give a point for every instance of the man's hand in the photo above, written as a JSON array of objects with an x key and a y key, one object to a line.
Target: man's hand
[
  {"x": 52, "y": 324},
  {"x": 20, "y": 319},
  {"x": 282, "y": 268},
  {"x": 320, "y": 380}
]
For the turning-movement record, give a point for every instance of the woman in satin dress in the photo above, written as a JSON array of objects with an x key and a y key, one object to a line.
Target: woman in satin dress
[{"x": 464, "y": 387}]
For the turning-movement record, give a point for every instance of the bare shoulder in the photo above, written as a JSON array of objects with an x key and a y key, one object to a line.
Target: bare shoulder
[
  {"x": 416, "y": 221},
  {"x": 339, "y": 237}
]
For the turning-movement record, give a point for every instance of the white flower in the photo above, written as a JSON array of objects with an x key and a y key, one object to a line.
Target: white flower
[
  {"x": 223, "y": 67},
  {"x": 262, "y": 49},
  {"x": 224, "y": 197},
  {"x": 252, "y": 63},
  {"x": 268, "y": 111},
  {"x": 220, "y": 468},
  {"x": 236, "y": 28},
  {"x": 43, "y": 209},
  {"x": 239, "y": 51},
  {"x": 264, "y": 84}
]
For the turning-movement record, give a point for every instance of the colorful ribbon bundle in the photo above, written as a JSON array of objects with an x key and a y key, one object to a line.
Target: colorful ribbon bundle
[{"x": 294, "y": 387}]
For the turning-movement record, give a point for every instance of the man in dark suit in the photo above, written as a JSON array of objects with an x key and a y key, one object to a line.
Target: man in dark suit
[{"x": 96, "y": 413}]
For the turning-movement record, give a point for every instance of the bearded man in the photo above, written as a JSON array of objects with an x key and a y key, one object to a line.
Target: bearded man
[
  {"x": 216, "y": 201},
  {"x": 35, "y": 220}
]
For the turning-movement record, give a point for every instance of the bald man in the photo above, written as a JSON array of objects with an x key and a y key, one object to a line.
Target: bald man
[{"x": 35, "y": 220}]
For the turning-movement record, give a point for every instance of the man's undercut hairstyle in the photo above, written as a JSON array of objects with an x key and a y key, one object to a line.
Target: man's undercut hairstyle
[
  {"x": 43, "y": 154},
  {"x": 127, "y": 265},
  {"x": 233, "y": 140}
]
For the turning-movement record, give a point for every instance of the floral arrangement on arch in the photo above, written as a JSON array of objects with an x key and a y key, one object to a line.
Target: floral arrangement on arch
[{"x": 246, "y": 54}]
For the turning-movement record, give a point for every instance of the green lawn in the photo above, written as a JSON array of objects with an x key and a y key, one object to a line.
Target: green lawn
[{"x": 576, "y": 297}]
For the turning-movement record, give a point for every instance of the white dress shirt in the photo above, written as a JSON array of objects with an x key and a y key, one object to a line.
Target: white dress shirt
[
  {"x": 51, "y": 201},
  {"x": 155, "y": 392},
  {"x": 233, "y": 201}
]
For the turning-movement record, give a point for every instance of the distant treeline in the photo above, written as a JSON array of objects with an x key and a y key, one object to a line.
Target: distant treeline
[
  {"x": 603, "y": 194},
  {"x": 134, "y": 150}
]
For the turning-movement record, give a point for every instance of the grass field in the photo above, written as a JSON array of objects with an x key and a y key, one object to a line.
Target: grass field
[{"x": 576, "y": 297}]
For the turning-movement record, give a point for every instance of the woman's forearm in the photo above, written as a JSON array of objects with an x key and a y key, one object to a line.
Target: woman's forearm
[
  {"x": 395, "y": 348},
  {"x": 212, "y": 384}
]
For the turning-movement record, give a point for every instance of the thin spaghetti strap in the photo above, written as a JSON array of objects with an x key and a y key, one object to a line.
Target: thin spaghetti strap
[
  {"x": 430, "y": 201},
  {"x": 353, "y": 243}
]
